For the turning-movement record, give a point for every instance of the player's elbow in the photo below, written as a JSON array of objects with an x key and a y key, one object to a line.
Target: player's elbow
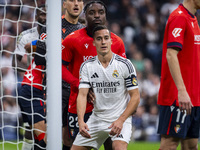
[{"x": 171, "y": 54}]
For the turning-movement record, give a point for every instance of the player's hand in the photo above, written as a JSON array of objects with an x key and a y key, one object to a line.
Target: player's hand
[
  {"x": 83, "y": 128},
  {"x": 27, "y": 47},
  {"x": 91, "y": 96},
  {"x": 116, "y": 127},
  {"x": 184, "y": 101}
]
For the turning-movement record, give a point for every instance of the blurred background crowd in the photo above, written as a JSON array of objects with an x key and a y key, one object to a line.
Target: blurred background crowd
[{"x": 140, "y": 23}]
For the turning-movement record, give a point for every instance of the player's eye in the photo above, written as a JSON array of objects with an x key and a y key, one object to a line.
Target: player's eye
[{"x": 101, "y": 12}]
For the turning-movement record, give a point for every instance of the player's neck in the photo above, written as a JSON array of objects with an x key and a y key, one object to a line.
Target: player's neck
[
  {"x": 105, "y": 59},
  {"x": 190, "y": 7},
  {"x": 71, "y": 19}
]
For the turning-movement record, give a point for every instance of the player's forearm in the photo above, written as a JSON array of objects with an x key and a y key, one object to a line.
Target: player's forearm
[
  {"x": 18, "y": 64},
  {"x": 81, "y": 107},
  {"x": 174, "y": 68},
  {"x": 68, "y": 77},
  {"x": 132, "y": 105}
]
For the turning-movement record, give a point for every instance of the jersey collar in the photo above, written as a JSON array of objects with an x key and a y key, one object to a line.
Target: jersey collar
[{"x": 182, "y": 7}]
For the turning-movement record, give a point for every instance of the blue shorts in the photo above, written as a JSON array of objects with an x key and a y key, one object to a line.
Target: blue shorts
[
  {"x": 175, "y": 123},
  {"x": 73, "y": 124},
  {"x": 31, "y": 104}
]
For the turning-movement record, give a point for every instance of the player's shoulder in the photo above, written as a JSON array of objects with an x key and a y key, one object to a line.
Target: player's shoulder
[
  {"x": 77, "y": 33},
  {"x": 29, "y": 31},
  {"x": 89, "y": 62},
  {"x": 115, "y": 37},
  {"x": 124, "y": 62},
  {"x": 178, "y": 14},
  {"x": 27, "y": 34}
]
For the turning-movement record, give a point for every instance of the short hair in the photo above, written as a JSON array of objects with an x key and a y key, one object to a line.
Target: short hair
[
  {"x": 92, "y": 2},
  {"x": 97, "y": 28}
]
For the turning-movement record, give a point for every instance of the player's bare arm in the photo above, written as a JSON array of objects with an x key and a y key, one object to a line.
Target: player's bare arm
[
  {"x": 183, "y": 97},
  {"x": 18, "y": 63},
  {"x": 81, "y": 107},
  {"x": 130, "y": 109}
]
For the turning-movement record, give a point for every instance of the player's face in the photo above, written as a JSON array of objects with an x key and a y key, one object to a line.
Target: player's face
[
  {"x": 102, "y": 41},
  {"x": 73, "y": 7},
  {"x": 41, "y": 16},
  {"x": 95, "y": 15}
]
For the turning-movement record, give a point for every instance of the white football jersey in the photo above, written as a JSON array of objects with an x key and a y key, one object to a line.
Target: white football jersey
[
  {"x": 25, "y": 37},
  {"x": 110, "y": 85}
]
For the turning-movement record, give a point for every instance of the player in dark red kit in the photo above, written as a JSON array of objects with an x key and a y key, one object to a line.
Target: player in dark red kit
[
  {"x": 179, "y": 94},
  {"x": 77, "y": 48}
]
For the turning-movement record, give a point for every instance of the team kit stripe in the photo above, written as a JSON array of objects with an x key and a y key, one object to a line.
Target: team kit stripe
[
  {"x": 126, "y": 62},
  {"x": 82, "y": 82},
  {"x": 174, "y": 44},
  {"x": 89, "y": 60}
]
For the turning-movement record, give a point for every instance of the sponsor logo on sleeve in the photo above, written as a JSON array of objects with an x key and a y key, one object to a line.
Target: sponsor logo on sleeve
[{"x": 176, "y": 32}]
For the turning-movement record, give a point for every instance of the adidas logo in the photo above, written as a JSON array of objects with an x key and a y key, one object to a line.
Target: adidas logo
[
  {"x": 120, "y": 136},
  {"x": 95, "y": 75}
]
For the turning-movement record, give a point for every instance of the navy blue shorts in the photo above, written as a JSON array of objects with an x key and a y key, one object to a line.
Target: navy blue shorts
[
  {"x": 73, "y": 124},
  {"x": 31, "y": 104},
  {"x": 175, "y": 123}
]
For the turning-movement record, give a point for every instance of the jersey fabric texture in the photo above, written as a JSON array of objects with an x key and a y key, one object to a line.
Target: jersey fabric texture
[
  {"x": 110, "y": 86},
  {"x": 182, "y": 31},
  {"x": 26, "y": 37},
  {"x": 77, "y": 48}
]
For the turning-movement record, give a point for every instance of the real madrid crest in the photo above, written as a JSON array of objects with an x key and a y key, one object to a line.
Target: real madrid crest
[
  {"x": 115, "y": 74},
  {"x": 134, "y": 81}
]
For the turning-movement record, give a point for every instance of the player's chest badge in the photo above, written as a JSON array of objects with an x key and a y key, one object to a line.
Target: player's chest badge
[{"x": 115, "y": 74}]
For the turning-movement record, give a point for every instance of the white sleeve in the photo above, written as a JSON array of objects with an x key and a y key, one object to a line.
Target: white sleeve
[
  {"x": 84, "y": 77},
  {"x": 130, "y": 76},
  {"x": 21, "y": 42}
]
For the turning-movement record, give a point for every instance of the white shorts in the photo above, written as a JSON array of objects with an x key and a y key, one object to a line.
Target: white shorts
[{"x": 99, "y": 132}]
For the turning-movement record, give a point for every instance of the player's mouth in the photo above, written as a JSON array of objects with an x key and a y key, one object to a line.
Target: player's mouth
[
  {"x": 97, "y": 21},
  {"x": 76, "y": 10},
  {"x": 104, "y": 47}
]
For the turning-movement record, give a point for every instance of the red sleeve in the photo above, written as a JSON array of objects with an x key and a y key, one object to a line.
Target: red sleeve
[
  {"x": 67, "y": 48},
  {"x": 68, "y": 77},
  {"x": 176, "y": 31}
]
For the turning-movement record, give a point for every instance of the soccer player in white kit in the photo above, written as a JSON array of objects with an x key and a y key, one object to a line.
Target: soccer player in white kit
[{"x": 114, "y": 82}]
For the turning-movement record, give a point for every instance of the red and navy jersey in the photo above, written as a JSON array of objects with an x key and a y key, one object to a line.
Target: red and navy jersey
[
  {"x": 77, "y": 48},
  {"x": 182, "y": 31},
  {"x": 33, "y": 76}
]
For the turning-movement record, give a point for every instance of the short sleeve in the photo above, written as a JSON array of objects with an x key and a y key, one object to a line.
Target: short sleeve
[
  {"x": 176, "y": 31},
  {"x": 84, "y": 77},
  {"x": 130, "y": 76}
]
